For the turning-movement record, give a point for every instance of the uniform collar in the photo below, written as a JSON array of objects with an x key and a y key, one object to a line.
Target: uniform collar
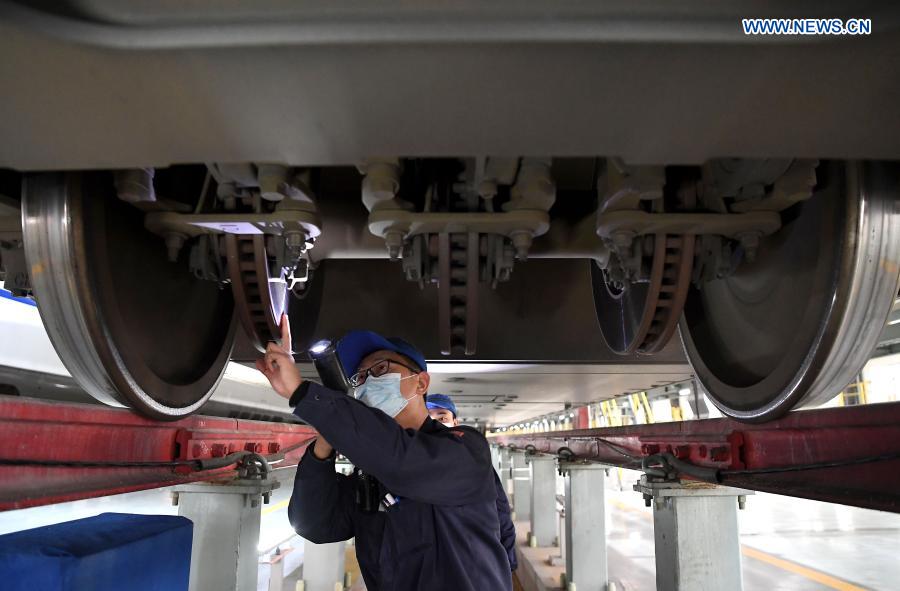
[{"x": 431, "y": 426}]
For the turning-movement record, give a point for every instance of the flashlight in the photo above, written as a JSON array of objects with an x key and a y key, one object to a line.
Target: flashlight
[{"x": 324, "y": 356}]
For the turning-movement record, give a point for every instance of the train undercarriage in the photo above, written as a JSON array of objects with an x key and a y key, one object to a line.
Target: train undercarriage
[{"x": 778, "y": 274}]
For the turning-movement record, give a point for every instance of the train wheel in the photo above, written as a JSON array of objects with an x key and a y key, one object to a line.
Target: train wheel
[
  {"x": 131, "y": 327},
  {"x": 797, "y": 324}
]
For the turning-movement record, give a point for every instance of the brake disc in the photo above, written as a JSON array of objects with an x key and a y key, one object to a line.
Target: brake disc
[
  {"x": 640, "y": 317},
  {"x": 259, "y": 287}
]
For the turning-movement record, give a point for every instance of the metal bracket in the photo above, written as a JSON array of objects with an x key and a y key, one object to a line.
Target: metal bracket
[
  {"x": 198, "y": 444},
  {"x": 14, "y": 267},
  {"x": 638, "y": 223},
  {"x": 715, "y": 451},
  {"x": 795, "y": 185},
  {"x": 252, "y": 489},
  {"x": 654, "y": 489},
  {"x": 277, "y": 223},
  {"x": 412, "y": 223},
  {"x": 623, "y": 187}
]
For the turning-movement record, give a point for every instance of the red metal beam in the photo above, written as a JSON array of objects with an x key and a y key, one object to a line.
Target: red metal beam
[
  {"x": 800, "y": 438},
  {"x": 47, "y": 432}
]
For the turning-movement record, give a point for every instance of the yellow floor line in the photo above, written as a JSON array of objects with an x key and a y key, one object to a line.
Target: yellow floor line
[
  {"x": 793, "y": 567},
  {"x": 276, "y": 507},
  {"x": 803, "y": 571}
]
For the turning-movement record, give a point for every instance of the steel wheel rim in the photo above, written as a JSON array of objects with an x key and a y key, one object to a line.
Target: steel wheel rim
[
  {"x": 77, "y": 300},
  {"x": 838, "y": 327}
]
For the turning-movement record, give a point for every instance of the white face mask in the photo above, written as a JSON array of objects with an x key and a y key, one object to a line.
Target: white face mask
[
  {"x": 383, "y": 393},
  {"x": 448, "y": 423}
]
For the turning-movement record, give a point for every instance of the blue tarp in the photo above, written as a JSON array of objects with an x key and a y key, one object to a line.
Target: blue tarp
[{"x": 110, "y": 551}]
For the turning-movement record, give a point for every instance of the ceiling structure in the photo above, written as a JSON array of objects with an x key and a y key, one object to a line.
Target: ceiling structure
[
  {"x": 503, "y": 394},
  {"x": 494, "y": 394}
]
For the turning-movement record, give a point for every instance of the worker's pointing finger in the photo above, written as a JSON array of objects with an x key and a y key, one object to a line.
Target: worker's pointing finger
[
  {"x": 273, "y": 350},
  {"x": 286, "y": 333},
  {"x": 261, "y": 366}
]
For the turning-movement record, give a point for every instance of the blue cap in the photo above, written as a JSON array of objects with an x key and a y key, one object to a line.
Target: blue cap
[
  {"x": 356, "y": 344},
  {"x": 440, "y": 401}
]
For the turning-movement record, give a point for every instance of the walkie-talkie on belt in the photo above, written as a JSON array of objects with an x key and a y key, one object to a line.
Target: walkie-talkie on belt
[{"x": 325, "y": 358}]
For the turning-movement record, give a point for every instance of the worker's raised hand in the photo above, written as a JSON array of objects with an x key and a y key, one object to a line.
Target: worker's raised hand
[{"x": 278, "y": 363}]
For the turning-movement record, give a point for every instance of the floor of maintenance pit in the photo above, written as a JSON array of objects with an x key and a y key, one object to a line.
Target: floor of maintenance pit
[{"x": 787, "y": 544}]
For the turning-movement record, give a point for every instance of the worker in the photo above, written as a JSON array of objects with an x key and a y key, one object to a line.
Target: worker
[
  {"x": 437, "y": 525},
  {"x": 441, "y": 408}
]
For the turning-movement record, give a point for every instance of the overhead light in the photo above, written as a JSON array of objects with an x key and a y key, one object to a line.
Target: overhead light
[
  {"x": 561, "y": 417},
  {"x": 572, "y": 415},
  {"x": 684, "y": 391},
  {"x": 471, "y": 368},
  {"x": 893, "y": 322}
]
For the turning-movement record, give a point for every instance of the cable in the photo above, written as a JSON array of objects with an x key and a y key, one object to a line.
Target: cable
[
  {"x": 668, "y": 467},
  {"x": 613, "y": 446},
  {"x": 619, "y": 449},
  {"x": 198, "y": 465},
  {"x": 818, "y": 466},
  {"x": 77, "y": 464},
  {"x": 565, "y": 454},
  {"x": 673, "y": 467}
]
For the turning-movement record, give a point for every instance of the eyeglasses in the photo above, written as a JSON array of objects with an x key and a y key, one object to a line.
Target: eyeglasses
[{"x": 376, "y": 370}]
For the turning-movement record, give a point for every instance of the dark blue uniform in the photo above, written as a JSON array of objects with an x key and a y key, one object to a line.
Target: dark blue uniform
[
  {"x": 443, "y": 533},
  {"x": 507, "y": 529}
]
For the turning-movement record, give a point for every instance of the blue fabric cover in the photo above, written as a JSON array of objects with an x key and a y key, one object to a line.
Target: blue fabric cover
[{"x": 110, "y": 551}]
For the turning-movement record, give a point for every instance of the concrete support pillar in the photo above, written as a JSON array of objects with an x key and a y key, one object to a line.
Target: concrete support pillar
[
  {"x": 276, "y": 576},
  {"x": 585, "y": 526},
  {"x": 521, "y": 477},
  {"x": 225, "y": 554},
  {"x": 506, "y": 468},
  {"x": 323, "y": 566},
  {"x": 543, "y": 500},
  {"x": 695, "y": 527}
]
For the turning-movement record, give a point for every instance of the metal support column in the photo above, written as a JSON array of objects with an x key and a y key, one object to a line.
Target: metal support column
[
  {"x": 323, "y": 566},
  {"x": 225, "y": 552},
  {"x": 506, "y": 468},
  {"x": 495, "y": 458},
  {"x": 543, "y": 500},
  {"x": 695, "y": 527},
  {"x": 521, "y": 477},
  {"x": 585, "y": 526}
]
